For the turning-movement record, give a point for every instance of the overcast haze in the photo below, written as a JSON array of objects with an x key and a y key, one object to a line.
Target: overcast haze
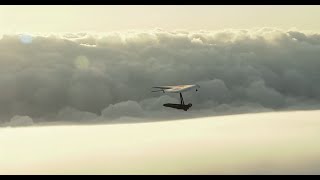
[{"x": 121, "y": 18}]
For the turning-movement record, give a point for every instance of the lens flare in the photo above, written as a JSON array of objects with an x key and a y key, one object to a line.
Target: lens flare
[
  {"x": 82, "y": 62},
  {"x": 25, "y": 39}
]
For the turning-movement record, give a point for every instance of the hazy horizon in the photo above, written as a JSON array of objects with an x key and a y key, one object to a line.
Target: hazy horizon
[{"x": 105, "y": 18}]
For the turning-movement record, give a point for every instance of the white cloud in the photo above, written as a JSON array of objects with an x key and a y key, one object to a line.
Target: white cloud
[
  {"x": 21, "y": 121},
  {"x": 93, "y": 72},
  {"x": 123, "y": 109},
  {"x": 72, "y": 114}
]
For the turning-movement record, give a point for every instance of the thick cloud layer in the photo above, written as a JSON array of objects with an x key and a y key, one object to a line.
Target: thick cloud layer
[{"x": 86, "y": 77}]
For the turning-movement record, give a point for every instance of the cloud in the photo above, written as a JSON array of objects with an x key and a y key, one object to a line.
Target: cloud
[
  {"x": 156, "y": 104},
  {"x": 21, "y": 121},
  {"x": 110, "y": 75},
  {"x": 127, "y": 109},
  {"x": 258, "y": 92},
  {"x": 72, "y": 114}
]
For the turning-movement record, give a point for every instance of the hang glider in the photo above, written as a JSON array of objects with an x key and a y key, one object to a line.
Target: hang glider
[{"x": 177, "y": 89}]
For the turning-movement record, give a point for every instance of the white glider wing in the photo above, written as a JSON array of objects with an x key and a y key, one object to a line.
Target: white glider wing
[{"x": 176, "y": 89}]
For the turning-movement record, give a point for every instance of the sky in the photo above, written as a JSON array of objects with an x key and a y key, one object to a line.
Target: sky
[{"x": 102, "y": 18}]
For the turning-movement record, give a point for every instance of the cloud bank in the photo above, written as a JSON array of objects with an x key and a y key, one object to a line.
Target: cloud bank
[
  {"x": 263, "y": 143},
  {"x": 92, "y": 77}
]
